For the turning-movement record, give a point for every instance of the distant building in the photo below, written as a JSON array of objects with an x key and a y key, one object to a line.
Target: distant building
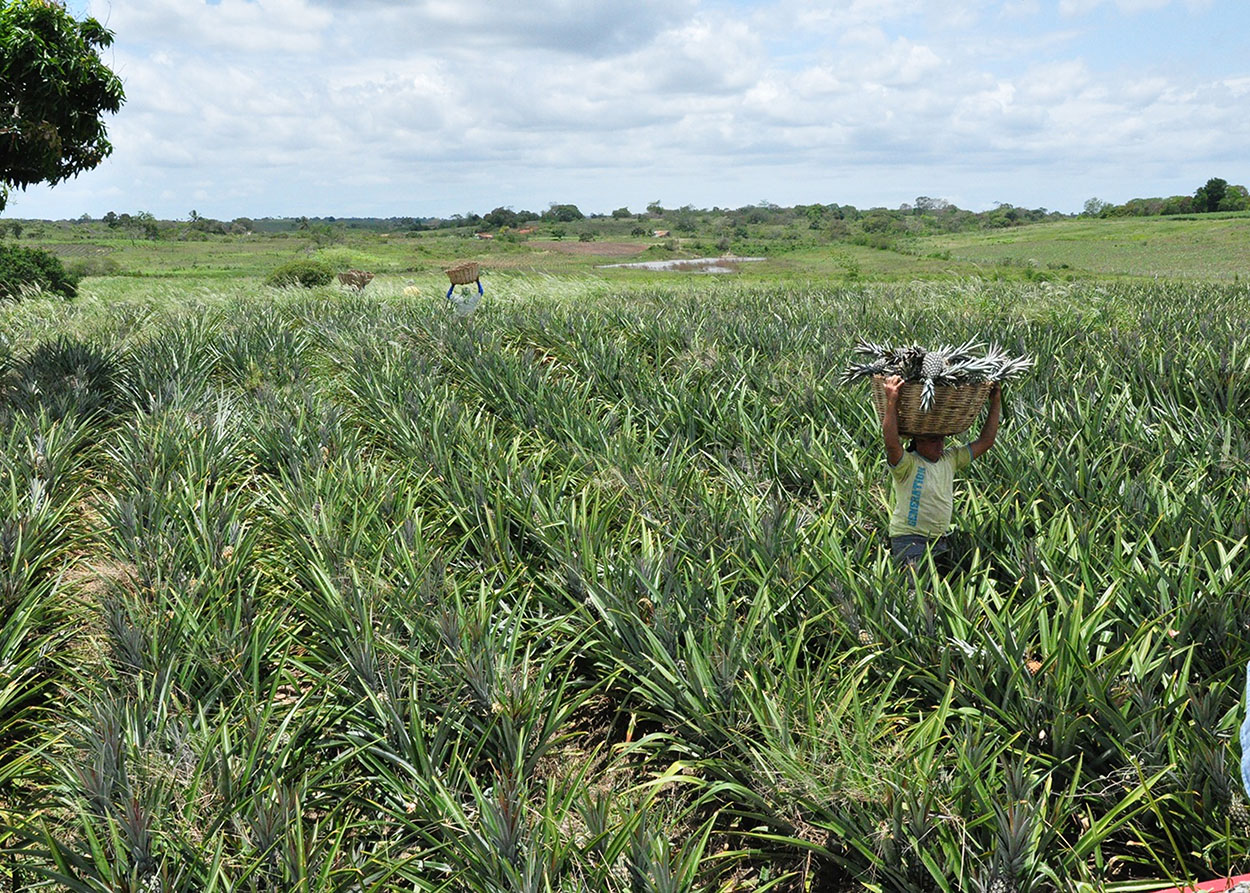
[
  {"x": 660, "y": 234},
  {"x": 525, "y": 232}
]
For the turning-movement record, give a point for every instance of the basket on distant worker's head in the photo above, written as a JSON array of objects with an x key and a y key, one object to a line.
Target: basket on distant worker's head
[
  {"x": 954, "y": 408},
  {"x": 463, "y": 273}
]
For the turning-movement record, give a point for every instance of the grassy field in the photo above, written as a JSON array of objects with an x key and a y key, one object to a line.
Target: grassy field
[
  {"x": 1215, "y": 249},
  {"x": 324, "y": 591},
  {"x": 1202, "y": 248}
]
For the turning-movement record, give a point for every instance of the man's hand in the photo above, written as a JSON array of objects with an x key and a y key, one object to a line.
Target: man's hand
[{"x": 893, "y": 386}]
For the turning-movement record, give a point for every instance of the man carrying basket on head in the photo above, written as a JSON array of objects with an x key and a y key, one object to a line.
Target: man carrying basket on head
[{"x": 924, "y": 476}]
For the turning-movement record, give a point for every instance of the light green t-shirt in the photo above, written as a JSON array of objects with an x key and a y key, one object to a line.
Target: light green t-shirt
[{"x": 924, "y": 492}]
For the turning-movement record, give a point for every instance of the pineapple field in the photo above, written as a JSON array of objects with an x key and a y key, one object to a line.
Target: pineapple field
[{"x": 309, "y": 590}]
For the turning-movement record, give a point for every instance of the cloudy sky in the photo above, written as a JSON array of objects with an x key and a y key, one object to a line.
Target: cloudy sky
[{"x": 434, "y": 107}]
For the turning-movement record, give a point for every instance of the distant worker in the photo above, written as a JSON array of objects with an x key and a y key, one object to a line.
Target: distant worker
[
  {"x": 1245, "y": 739},
  {"x": 924, "y": 477}
]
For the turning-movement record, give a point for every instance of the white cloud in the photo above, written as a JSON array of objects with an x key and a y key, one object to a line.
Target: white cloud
[
  {"x": 298, "y": 106},
  {"x": 903, "y": 62},
  {"x": 1019, "y": 9},
  {"x": 231, "y": 26},
  {"x": 1082, "y": 7},
  {"x": 1053, "y": 83},
  {"x": 575, "y": 27}
]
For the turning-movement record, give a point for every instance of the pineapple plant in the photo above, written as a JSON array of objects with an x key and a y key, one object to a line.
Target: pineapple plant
[
  {"x": 1000, "y": 883},
  {"x": 1239, "y": 813},
  {"x": 389, "y": 608}
]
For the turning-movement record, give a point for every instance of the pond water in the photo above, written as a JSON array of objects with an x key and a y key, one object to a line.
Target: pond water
[{"x": 725, "y": 264}]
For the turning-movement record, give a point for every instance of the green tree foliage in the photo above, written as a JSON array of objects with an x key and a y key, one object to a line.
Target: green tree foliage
[
  {"x": 928, "y": 205},
  {"x": 25, "y": 268},
  {"x": 500, "y": 217},
  {"x": 1214, "y": 195},
  {"x": 146, "y": 220},
  {"x": 1209, "y": 195},
  {"x": 1177, "y": 204},
  {"x": 879, "y": 221},
  {"x": 306, "y": 273},
  {"x": 684, "y": 219},
  {"x": 564, "y": 213},
  {"x": 1236, "y": 198},
  {"x": 53, "y": 91}
]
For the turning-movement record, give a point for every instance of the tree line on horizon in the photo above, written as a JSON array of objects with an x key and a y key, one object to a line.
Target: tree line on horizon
[
  {"x": 877, "y": 226},
  {"x": 1217, "y": 194}
]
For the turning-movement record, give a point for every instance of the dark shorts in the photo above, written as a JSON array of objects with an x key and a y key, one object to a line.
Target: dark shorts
[{"x": 909, "y": 550}]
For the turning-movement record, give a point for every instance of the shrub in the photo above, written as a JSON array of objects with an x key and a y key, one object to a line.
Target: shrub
[
  {"x": 306, "y": 273},
  {"x": 82, "y": 267},
  {"x": 878, "y": 241},
  {"x": 27, "y": 268}
]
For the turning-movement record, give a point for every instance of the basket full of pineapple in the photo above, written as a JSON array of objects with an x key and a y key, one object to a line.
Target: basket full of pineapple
[{"x": 943, "y": 388}]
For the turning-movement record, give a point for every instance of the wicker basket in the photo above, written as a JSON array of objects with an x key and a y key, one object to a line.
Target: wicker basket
[
  {"x": 356, "y": 279},
  {"x": 953, "y": 411},
  {"x": 463, "y": 273}
]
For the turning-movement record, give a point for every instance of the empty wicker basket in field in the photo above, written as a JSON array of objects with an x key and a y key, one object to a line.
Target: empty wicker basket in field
[{"x": 356, "y": 279}]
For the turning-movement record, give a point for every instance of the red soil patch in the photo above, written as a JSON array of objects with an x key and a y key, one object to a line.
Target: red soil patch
[{"x": 597, "y": 249}]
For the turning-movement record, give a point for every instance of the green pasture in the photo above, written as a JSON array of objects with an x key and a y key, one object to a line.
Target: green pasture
[
  {"x": 1207, "y": 247},
  {"x": 226, "y": 257},
  {"x": 323, "y": 591}
]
